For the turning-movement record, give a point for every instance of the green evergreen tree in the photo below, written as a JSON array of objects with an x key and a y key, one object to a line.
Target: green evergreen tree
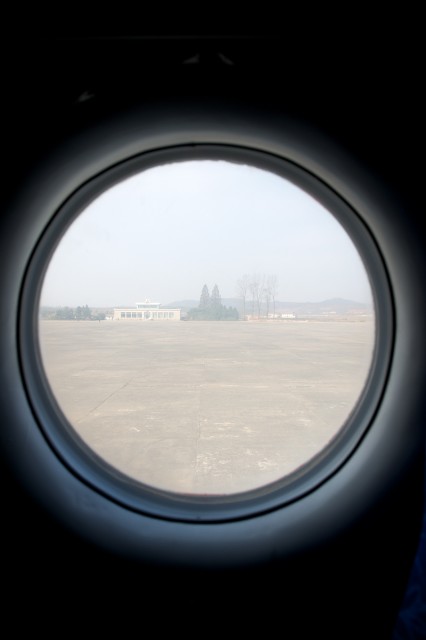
[
  {"x": 216, "y": 304},
  {"x": 204, "y": 298}
]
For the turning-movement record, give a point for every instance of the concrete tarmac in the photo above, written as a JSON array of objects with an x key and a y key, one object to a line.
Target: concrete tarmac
[{"x": 207, "y": 407}]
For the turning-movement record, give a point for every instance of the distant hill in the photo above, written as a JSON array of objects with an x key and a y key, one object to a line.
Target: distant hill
[
  {"x": 338, "y": 306},
  {"x": 182, "y": 304}
]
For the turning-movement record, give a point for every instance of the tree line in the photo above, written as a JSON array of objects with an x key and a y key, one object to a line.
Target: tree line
[{"x": 73, "y": 313}]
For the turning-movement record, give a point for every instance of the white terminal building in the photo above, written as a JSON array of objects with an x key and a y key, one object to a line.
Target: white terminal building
[{"x": 146, "y": 311}]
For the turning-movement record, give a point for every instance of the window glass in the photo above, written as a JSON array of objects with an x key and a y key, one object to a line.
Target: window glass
[{"x": 260, "y": 345}]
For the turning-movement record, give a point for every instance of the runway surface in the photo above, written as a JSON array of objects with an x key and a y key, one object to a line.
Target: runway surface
[{"x": 207, "y": 407}]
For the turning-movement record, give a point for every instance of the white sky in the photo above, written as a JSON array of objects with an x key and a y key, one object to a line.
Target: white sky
[{"x": 166, "y": 232}]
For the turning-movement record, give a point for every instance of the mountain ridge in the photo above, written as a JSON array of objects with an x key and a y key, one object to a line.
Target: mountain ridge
[{"x": 339, "y": 306}]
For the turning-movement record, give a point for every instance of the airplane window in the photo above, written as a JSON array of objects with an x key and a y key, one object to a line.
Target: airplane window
[
  {"x": 206, "y": 326},
  {"x": 212, "y": 327}
]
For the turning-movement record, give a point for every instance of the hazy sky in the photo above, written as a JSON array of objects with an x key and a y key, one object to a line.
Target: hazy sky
[{"x": 166, "y": 232}]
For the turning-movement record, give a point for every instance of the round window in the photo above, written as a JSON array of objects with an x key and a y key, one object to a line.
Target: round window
[{"x": 206, "y": 325}]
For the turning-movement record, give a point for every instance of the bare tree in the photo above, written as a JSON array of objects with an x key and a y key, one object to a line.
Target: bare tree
[
  {"x": 273, "y": 289},
  {"x": 260, "y": 294},
  {"x": 243, "y": 288},
  {"x": 267, "y": 297},
  {"x": 253, "y": 288},
  {"x": 256, "y": 288},
  {"x": 261, "y": 288}
]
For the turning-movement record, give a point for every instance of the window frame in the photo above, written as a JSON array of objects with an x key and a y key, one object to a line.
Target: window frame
[{"x": 236, "y": 537}]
